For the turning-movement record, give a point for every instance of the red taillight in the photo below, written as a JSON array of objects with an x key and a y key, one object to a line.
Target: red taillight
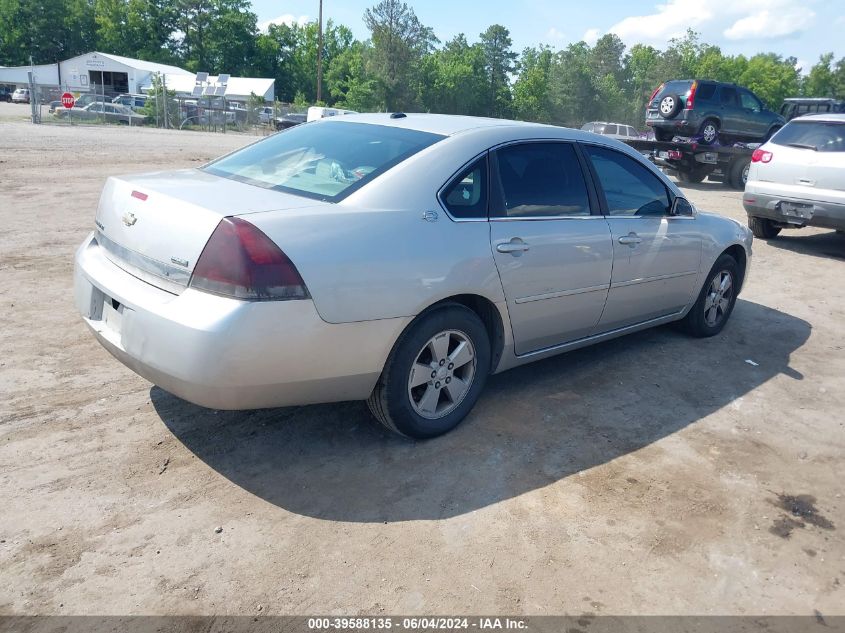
[
  {"x": 691, "y": 95},
  {"x": 240, "y": 261},
  {"x": 654, "y": 94},
  {"x": 761, "y": 156}
]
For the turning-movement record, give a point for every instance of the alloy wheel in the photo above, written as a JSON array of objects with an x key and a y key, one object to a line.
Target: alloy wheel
[
  {"x": 442, "y": 374},
  {"x": 718, "y": 299}
]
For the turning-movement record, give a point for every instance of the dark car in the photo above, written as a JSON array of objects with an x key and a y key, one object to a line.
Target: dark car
[
  {"x": 5, "y": 94},
  {"x": 799, "y": 106},
  {"x": 289, "y": 120},
  {"x": 710, "y": 110}
]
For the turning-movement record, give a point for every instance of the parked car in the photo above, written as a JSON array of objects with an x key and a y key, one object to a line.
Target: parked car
[
  {"x": 237, "y": 109},
  {"x": 5, "y": 94},
  {"x": 376, "y": 256},
  {"x": 108, "y": 112},
  {"x": 136, "y": 102},
  {"x": 89, "y": 98},
  {"x": 265, "y": 114},
  {"x": 797, "y": 179},
  {"x": 711, "y": 110},
  {"x": 289, "y": 120},
  {"x": 21, "y": 95},
  {"x": 799, "y": 106},
  {"x": 55, "y": 105},
  {"x": 613, "y": 130}
]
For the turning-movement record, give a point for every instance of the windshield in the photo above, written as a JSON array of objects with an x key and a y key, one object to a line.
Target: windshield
[
  {"x": 327, "y": 160},
  {"x": 821, "y": 136}
]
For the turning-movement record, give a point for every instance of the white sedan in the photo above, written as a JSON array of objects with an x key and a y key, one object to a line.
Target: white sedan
[{"x": 396, "y": 258}]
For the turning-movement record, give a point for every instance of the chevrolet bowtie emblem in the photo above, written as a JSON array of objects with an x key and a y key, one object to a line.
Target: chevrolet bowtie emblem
[{"x": 129, "y": 218}]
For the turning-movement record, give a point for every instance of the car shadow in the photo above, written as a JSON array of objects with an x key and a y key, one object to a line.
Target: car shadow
[
  {"x": 828, "y": 244},
  {"x": 533, "y": 425}
]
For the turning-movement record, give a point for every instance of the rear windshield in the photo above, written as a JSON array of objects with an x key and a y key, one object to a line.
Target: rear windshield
[
  {"x": 822, "y": 136},
  {"x": 326, "y": 160},
  {"x": 680, "y": 88}
]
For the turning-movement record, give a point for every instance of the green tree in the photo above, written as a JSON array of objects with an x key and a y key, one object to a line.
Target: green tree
[
  {"x": 499, "y": 64},
  {"x": 455, "y": 78},
  {"x": 531, "y": 94},
  {"x": 399, "y": 43},
  {"x": 820, "y": 82}
]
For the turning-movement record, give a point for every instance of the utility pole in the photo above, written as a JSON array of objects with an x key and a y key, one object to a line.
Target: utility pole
[{"x": 320, "y": 54}]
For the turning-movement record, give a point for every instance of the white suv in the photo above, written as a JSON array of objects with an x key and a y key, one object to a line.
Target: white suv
[
  {"x": 21, "y": 95},
  {"x": 797, "y": 179}
]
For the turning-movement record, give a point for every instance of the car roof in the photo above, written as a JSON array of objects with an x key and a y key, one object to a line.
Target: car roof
[
  {"x": 811, "y": 100},
  {"x": 831, "y": 117},
  {"x": 443, "y": 124}
]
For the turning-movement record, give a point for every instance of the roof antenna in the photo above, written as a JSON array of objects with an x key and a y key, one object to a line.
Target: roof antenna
[{"x": 398, "y": 115}]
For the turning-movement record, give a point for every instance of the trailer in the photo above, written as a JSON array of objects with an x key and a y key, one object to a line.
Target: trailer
[{"x": 690, "y": 161}]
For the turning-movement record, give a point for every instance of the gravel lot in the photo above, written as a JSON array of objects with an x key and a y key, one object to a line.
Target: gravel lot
[{"x": 651, "y": 474}]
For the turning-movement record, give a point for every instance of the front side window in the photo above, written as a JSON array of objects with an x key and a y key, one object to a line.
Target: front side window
[
  {"x": 326, "y": 160},
  {"x": 629, "y": 187},
  {"x": 541, "y": 179},
  {"x": 466, "y": 195},
  {"x": 750, "y": 101}
]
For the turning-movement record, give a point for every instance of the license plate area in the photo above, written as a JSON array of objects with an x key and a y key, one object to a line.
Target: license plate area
[
  {"x": 796, "y": 212},
  {"x": 112, "y": 315}
]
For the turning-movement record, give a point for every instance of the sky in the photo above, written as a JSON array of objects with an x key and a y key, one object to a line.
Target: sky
[{"x": 801, "y": 28}]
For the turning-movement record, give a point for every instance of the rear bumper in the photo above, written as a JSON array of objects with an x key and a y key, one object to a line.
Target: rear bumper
[
  {"x": 680, "y": 125},
  {"x": 792, "y": 210},
  {"x": 227, "y": 354}
]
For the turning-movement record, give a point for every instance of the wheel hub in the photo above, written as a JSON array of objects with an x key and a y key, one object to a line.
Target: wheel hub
[{"x": 442, "y": 374}]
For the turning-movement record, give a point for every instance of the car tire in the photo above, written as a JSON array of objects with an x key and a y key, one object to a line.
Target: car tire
[
  {"x": 709, "y": 132},
  {"x": 663, "y": 136},
  {"x": 669, "y": 106},
  {"x": 738, "y": 175},
  {"x": 763, "y": 228},
  {"x": 407, "y": 409},
  {"x": 714, "y": 304}
]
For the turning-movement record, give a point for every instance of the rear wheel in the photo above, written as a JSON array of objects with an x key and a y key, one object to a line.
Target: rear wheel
[
  {"x": 738, "y": 175},
  {"x": 763, "y": 228},
  {"x": 434, "y": 375},
  {"x": 716, "y": 300},
  {"x": 709, "y": 132},
  {"x": 692, "y": 176}
]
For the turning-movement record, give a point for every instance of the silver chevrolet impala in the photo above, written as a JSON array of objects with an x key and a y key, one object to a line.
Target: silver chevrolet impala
[{"x": 396, "y": 258}]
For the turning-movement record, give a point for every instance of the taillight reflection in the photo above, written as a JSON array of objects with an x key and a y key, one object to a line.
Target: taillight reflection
[{"x": 240, "y": 261}]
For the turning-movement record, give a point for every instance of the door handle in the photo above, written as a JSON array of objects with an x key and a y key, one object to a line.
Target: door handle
[
  {"x": 515, "y": 247},
  {"x": 632, "y": 239}
]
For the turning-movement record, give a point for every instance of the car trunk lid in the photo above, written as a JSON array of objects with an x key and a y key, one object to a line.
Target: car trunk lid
[{"x": 155, "y": 226}]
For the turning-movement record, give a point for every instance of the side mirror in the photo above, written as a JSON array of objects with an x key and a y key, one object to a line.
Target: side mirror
[{"x": 682, "y": 207}]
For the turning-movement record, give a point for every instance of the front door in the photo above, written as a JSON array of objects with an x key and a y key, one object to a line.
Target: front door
[
  {"x": 553, "y": 253},
  {"x": 656, "y": 256}
]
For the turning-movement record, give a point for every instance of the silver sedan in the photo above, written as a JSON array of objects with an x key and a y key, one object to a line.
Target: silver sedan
[{"x": 396, "y": 258}]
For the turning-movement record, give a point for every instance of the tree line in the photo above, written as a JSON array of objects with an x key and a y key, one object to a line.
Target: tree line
[{"x": 402, "y": 65}]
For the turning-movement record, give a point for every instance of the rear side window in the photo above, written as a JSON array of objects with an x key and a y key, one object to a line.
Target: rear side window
[
  {"x": 611, "y": 129},
  {"x": 541, "y": 179},
  {"x": 821, "y": 136},
  {"x": 705, "y": 92},
  {"x": 326, "y": 160},
  {"x": 466, "y": 195},
  {"x": 629, "y": 187}
]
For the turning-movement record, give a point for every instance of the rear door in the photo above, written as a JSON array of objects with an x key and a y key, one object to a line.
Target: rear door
[
  {"x": 732, "y": 119},
  {"x": 755, "y": 117},
  {"x": 551, "y": 247},
  {"x": 656, "y": 256}
]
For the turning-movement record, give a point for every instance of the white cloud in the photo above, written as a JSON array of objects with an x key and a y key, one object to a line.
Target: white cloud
[
  {"x": 591, "y": 36},
  {"x": 767, "y": 23},
  {"x": 554, "y": 34},
  {"x": 288, "y": 18},
  {"x": 735, "y": 20}
]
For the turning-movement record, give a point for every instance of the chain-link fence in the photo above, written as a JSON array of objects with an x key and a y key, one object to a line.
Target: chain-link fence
[{"x": 162, "y": 108}]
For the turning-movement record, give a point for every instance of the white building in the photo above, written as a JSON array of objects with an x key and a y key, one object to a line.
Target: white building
[
  {"x": 113, "y": 74},
  {"x": 100, "y": 72}
]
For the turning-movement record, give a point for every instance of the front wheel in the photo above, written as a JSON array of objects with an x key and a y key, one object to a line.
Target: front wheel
[
  {"x": 434, "y": 375},
  {"x": 716, "y": 300}
]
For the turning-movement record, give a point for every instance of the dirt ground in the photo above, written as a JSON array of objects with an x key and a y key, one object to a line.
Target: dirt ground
[{"x": 654, "y": 474}]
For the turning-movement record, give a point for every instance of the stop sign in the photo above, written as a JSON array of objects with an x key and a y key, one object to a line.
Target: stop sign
[{"x": 68, "y": 100}]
